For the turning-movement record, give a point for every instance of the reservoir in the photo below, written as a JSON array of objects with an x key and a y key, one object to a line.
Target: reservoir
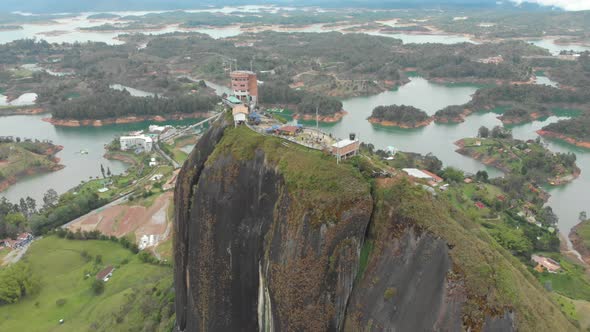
[
  {"x": 79, "y": 167},
  {"x": 567, "y": 201}
]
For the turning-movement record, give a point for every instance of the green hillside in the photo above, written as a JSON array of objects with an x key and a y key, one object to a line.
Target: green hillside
[{"x": 66, "y": 293}]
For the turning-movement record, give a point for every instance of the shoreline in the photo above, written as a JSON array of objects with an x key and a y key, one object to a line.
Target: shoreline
[
  {"x": 322, "y": 118},
  {"x": 386, "y": 123},
  {"x": 495, "y": 163},
  {"x": 567, "y": 139},
  {"x": 22, "y": 111},
  {"x": 520, "y": 120},
  {"x": 122, "y": 157},
  {"x": 123, "y": 120},
  {"x": 50, "y": 154},
  {"x": 460, "y": 118}
]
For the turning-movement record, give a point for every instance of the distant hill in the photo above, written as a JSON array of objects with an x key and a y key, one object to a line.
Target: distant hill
[{"x": 62, "y": 6}]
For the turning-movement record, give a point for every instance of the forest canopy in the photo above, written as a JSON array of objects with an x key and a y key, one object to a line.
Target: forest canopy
[
  {"x": 109, "y": 103},
  {"x": 399, "y": 114}
]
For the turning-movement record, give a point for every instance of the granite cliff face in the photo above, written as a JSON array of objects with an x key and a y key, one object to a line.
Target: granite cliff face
[{"x": 272, "y": 237}]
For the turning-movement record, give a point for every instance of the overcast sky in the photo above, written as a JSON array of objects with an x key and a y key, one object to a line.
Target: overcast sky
[{"x": 565, "y": 4}]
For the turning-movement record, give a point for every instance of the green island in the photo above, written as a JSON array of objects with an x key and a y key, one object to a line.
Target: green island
[
  {"x": 574, "y": 131},
  {"x": 451, "y": 114},
  {"x": 519, "y": 103},
  {"x": 529, "y": 158},
  {"x": 399, "y": 116},
  {"x": 21, "y": 158}
]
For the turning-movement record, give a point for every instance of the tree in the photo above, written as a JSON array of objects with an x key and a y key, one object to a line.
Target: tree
[
  {"x": 50, "y": 199},
  {"x": 483, "y": 132},
  {"x": 453, "y": 174},
  {"x": 98, "y": 286},
  {"x": 109, "y": 172},
  {"x": 501, "y": 132},
  {"x": 583, "y": 216},
  {"x": 482, "y": 176},
  {"x": 102, "y": 171},
  {"x": 31, "y": 205},
  {"x": 432, "y": 163}
]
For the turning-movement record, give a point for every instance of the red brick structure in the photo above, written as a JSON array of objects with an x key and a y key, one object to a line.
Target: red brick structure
[{"x": 244, "y": 85}]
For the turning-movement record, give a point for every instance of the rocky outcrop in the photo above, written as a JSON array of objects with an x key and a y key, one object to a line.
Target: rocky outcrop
[
  {"x": 407, "y": 287},
  {"x": 249, "y": 254},
  {"x": 263, "y": 242}
]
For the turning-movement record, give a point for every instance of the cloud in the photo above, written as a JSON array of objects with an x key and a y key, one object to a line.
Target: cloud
[{"x": 564, "y": 4}]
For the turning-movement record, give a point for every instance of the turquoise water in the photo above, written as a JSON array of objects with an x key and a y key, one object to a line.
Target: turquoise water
[
  {"x": 79, "y": 167},
  {"x": 567, "y": 200}
]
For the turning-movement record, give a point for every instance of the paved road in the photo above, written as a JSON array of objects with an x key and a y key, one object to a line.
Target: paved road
[{"x": 167, "y": 157}]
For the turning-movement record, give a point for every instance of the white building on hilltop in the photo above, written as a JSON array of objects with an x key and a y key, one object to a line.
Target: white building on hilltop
[{"x": 141, "y": 142}]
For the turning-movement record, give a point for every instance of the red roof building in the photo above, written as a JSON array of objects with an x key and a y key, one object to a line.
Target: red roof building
[
  {"x": 288, "y": 130},
  {"x": 480, "y": 205},
  {"x": 105, "y": 274},
  {"x": 434, "y": 177}
]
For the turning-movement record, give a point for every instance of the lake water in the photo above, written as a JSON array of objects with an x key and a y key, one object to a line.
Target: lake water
[
  {"x": 79, "y": 166},
  {"x": 567, "y": 201},
  {"x": 67, "y": 29},
  {"x": 556, "y": 48}
]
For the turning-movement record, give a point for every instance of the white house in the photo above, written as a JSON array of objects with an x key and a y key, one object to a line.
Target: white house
[{"x": 142, "y": 142}]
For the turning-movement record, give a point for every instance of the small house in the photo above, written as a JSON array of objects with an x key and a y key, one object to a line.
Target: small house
[
  {"x": 105, "y": 274},
  {"x": 480, "y": 205},
  {"x": 430, "y": 177},
  {"x": 346, "y": 147},
  {"x": 547, "y": 263},
  {"x": 289, "y": 130},
  {"x": 240, "y": 112}
]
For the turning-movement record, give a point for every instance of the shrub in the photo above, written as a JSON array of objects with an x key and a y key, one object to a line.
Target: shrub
[{"x": 97, "y": 287}]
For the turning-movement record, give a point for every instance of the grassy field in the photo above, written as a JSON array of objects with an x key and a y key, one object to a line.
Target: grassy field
[
  {"x": 567, "y": 306},
  {"x": 177, "y": 148},
  {"x": 17, "y": 158},
  {"x": 572, "y": 281},
  {"x": 61, "y": 267},
  {"x": 583, "y": 231},
  {"x": 583, "y": 314}
]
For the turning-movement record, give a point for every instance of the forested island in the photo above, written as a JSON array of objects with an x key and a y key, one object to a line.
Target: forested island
[
  {"x": 306, "y": 104},
  {"x": 24, "y": 157},
  {"x": 518, "y": 103},
  {"x": 574, "y": 131},
  {"x": 531, "y": 159},
  {"x": 524, "y": 113},
  {"x": 112, "y": 106},
  {"x": 400, "y": 116},
  {"x": 451, "y": 114}
]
